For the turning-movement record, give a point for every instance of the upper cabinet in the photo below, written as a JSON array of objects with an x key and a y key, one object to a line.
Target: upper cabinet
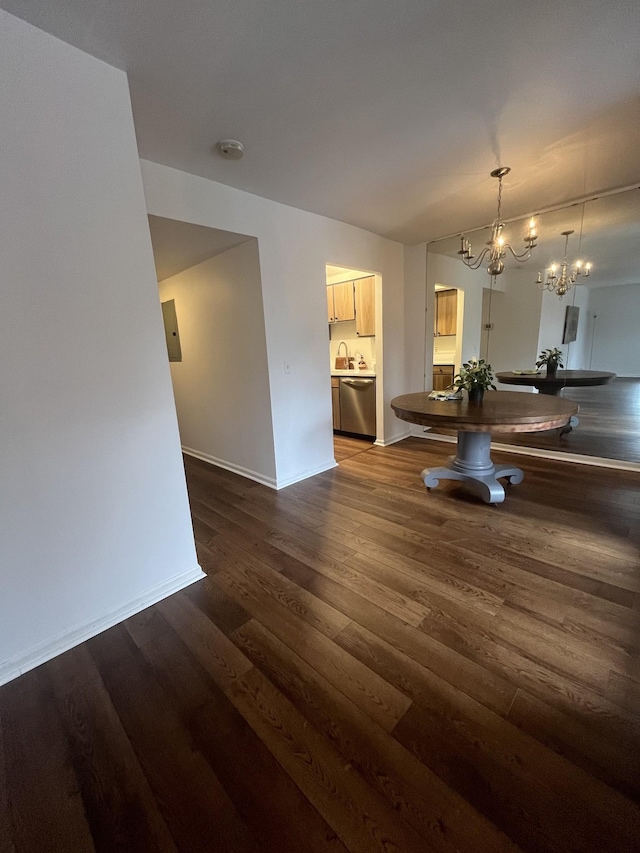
[
  {"x": 340, "y": 305},
  {"x": 365, "y": 306},
  {"x": 353, "y": 300},
  {"x": 446, "y": 313}
]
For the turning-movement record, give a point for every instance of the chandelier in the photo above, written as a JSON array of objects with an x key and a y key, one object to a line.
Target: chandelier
[
  {"x": 567, "y": 278},
  {"x": 497, "y": 248}
]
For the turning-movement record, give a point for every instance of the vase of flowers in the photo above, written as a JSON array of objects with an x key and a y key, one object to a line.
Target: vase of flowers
[
  {"x": 552, "y": 359},
  {"x": 476, "y": 376}
]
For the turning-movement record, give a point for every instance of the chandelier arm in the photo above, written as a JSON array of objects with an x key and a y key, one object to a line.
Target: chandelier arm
[
  {"x": 478, "y": 261},
  {"x": 522, "y": 258}
]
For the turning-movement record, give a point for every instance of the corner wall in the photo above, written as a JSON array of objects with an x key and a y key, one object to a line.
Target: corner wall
[
  {"x": 416, "y": 338},
  {"x": 221, "y": 386},
  {"x": 515, "y": 314},
  {"x": 94, "y": 518},
  {"x": 295, "y": 247}
]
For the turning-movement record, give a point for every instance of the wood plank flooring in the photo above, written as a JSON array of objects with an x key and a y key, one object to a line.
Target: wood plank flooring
[
  {"x": 346, "y": 446},
  {"x": 367, "y": 667}
]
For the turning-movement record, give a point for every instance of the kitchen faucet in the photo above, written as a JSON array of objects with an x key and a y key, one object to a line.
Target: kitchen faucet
[{"x": 344, "y": 362}]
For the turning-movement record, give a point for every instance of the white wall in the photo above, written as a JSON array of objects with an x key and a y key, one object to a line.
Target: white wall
[
  {"x": 295, "y": 247},
  {"x": 515, "y": 314},
  {"x": 221, "y": 386},
  {"x": 616, "y": 340},
  {"x": 418, "y": 347},
  {"x": 415, "y": 345},
  {"x": 94, "y": 519},
  {"x": 552, "y": 318}
]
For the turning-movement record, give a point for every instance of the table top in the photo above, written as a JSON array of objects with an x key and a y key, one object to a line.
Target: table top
[
  {"x": 500, "y": 411},
  {"x": 563, "y": 378}
]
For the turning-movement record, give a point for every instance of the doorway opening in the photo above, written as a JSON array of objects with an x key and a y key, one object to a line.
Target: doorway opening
[
  {"x": 210, "y": 283},
  {"x": 448, "y": 316},
  {"x": 353, "y": 315}
]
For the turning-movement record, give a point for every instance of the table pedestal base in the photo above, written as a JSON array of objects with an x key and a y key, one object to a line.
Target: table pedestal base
[{"x": 472, "y": 465}]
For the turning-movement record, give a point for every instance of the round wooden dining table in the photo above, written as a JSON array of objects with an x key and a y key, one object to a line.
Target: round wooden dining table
[
  {"x": 553, "y": 385},
  {"x": 499, "y": 412}
]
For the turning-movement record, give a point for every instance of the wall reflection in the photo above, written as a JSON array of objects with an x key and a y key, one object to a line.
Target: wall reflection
[{"x": 509, "y": 320}]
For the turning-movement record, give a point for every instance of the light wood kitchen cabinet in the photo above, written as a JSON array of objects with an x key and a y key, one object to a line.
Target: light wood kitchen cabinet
[
  {"x": 335, "y": 401},
  {"x": 442, "y": 376},
  {"x": 446, "y": 313},
  {"x": 365, "y": 306},
  {"x": 340, "y": 304}
]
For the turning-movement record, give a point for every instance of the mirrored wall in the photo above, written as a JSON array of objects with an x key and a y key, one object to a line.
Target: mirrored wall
[{"x": 509, "y": 320}]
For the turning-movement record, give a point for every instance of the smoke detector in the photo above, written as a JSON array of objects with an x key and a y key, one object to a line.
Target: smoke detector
[{"x": 230, "y": 149}]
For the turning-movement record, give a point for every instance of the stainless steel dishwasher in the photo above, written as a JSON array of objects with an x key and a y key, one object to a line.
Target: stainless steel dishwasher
[{"x": 358, "y": 405}]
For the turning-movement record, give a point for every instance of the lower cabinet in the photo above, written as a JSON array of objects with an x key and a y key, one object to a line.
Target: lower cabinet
[
  {"x": 442, "y": 376},
  {"x": 335, "y": 401}
]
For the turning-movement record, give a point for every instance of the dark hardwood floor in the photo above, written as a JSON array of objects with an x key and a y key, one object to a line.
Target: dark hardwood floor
[
  {"x": 367, "y": 667},
  {"x": 346, "y": 446}
]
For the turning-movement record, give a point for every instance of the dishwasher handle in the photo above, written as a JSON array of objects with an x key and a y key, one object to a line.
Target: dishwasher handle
[{"x": 358, "y": 383}]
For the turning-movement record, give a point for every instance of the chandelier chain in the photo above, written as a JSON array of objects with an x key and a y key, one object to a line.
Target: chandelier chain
[{"x": 581, "y": 226}]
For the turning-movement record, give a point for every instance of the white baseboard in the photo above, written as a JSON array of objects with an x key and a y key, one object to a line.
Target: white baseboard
[
  {"x": 18, "y": 665},
  {"x": 231, "y": 466},
  {"x": 289, "y": 481},
  {"x": 449, "y": 439},
  {"x": 386, "y": 442},
  {"x": 254, "y": 475}
]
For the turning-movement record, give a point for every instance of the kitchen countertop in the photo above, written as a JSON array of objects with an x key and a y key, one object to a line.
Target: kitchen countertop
[{"x": 364, "y": 374}]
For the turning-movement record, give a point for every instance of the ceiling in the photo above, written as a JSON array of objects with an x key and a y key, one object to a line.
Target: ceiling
[
  {"x": 387, "y": 115},
  {"x": 177, "y": 246}
]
